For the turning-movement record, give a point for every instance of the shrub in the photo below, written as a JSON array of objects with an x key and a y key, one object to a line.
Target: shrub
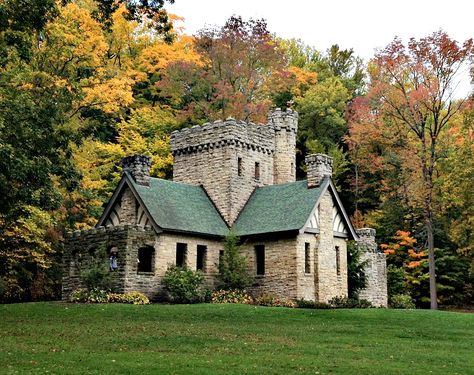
[
  {"x": 266, "y": 299},
  {"x": 339, "y": 302},
  {"x": 356, "y": 276},
  {"x": 135, "y": 298},
  {"x": 305, "y": 304},
  {"x": 89, "y": 296},
  {"x": 97, "y": 276},
  {"x": 231, "y": 296},
  {"x": 183, "y": 285},
  {"x": 233, "y": 269},
  {"x": 401, "y": 301}
]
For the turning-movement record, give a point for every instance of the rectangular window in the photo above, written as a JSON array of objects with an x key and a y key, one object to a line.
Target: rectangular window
[
  {"x": 145, "y": 259},
  {"x": 307, "y": 264},
  {"x": 260, "y": 259},
  {"x": 239, "y": 167},
  {"x": 201, "y": 257},
  {"x": 221, "y": 257},
  {"x": 338, "y": 261},
  {"x": 257, "y": 170},
  {"x": 181, "y": 252}
]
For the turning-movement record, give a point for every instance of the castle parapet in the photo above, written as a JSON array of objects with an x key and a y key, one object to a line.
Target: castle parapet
[{"x": 223, "y": 133}]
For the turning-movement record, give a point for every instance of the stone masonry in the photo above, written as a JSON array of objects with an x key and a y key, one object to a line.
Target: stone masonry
[
  {"x": 84, "y": 248},
  {"x": 139, "y": 168},
  {"x": 376, "y": 268},
  {"x": 231, "y": 158},
  {"x": 318, "y": 166}
]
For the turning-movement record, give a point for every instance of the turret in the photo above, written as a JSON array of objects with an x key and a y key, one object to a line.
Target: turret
[
  {"x": 318, "y": 166},
  {"x": 285, "y": 124},
  {"x": 138, "y": 166}
]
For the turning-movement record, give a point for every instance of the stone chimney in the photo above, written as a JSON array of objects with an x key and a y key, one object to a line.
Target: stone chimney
[
  {"x": 318, "y": 166},
  {"x": 367, "y": 238},
  {"x": 139, "y": 168}
]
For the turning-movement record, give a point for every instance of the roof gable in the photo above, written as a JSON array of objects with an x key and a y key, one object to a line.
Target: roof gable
[
  {"x": 278, "y": 208},
  {"x": 173, "y": 206},
  {"x": 290, "y": 207}
]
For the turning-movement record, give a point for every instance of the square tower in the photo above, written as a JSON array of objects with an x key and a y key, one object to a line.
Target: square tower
[{"x": 231, "y": 158}]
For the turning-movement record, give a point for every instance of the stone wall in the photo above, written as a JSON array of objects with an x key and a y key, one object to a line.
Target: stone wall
[
  {"x": 209, "y": 155},
  {"x": 128, "y": 239},
  {"x": 328, "y": 282},
  {"x": 280, "y": 278},
  {"x": 376, "y": 268},
  {"x": 85, "y": 248}
]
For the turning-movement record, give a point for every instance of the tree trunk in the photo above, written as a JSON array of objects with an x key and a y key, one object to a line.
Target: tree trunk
[
  {"x": 431, "y": 263},
  {"x": 427, "y": 165}
]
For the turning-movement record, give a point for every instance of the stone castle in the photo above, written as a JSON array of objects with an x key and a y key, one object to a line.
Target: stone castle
[{"x": 230, "y": 175}]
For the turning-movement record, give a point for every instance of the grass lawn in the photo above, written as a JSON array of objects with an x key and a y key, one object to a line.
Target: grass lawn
[{"x": 231, "y": 339}]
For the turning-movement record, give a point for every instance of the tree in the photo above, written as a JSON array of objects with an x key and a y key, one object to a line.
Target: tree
[
  {"x": 233, "y": 267},
  {"x": 242, "y": 56},
  {"x": 411, "y": 90}
]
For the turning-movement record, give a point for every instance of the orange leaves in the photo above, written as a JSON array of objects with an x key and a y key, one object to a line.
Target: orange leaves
[{"x": 402, "y": 252}]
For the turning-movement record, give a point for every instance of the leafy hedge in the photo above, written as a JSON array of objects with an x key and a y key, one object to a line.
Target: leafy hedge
[{"x": 101, "y": 296}]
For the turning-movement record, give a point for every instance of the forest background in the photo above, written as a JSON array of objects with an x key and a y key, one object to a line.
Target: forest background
[{"x": 84, "y": 83}]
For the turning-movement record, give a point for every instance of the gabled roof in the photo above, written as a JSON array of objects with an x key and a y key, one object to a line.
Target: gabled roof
[
  {"x": 178, "y": 207},
  {"x": 285, "y": 207},
  {"x": 175, "y": 206}
]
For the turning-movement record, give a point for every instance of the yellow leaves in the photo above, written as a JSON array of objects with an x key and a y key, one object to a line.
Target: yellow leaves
[
  {"x": 75, "y": 38},
  {"x": 157, "y": 56},
  {"x": 29, "y": 237},
  {"x": 110, "y": 95}
]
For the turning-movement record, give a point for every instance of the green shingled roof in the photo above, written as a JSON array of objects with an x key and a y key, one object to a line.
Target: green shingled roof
[
  {"x": 278, "y": 208},
  {"x": 180, "y": 207}
]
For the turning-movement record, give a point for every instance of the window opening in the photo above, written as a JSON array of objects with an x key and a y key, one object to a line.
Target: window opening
[
  {"x": 181, "y": 250},
  {"x": 307, "y": 264},
  {"x": 201, "y": 257},
  {"x": 145, "y": 259},
  {"x": 338, "y": 261},
  {"x": 239, "y": 167},
  {"x": 260, "y": 259},
  {"x": 257, "y": 170}
]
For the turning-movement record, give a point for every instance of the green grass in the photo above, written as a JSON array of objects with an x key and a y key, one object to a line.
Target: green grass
[{"x": 231, "y": 339}]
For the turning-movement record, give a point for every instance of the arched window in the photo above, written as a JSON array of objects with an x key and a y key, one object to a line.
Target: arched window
[{"x": 145, "y": 259}]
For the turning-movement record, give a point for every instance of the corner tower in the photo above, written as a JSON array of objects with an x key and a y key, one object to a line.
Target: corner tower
[{"x": 285, "y": 125}]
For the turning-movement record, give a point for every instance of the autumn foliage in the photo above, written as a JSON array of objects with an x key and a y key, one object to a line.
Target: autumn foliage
[{"x": 85, "y": 83}]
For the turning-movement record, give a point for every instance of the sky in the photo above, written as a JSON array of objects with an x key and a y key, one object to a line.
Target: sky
[{"x": 363, "y": 25}]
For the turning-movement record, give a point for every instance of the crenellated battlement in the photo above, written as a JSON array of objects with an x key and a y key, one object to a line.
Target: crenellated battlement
[
  {"x": 231, "y": 158},
  {"x": 223, "y": 133},
  {"x": 283, "y": 120}
]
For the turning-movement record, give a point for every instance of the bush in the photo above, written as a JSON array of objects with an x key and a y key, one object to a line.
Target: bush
[
  {"x": 356, "y": 276},
  {"x": 266, "y": 299},
  {"x": 339, "y": 302},
  {"x": 401, "y": 301},
  {"x": 231, "y": 296},
  {"x": 233, "y": 268},
  {"x": 304, "y": 304},
  {"x": 89, "y": 296},
  {"x": 97, "y": 276},
  {"x": 183, "y": 285},
  {"x": 135, "y": 298},
  {"x": 101, "y": 296}
]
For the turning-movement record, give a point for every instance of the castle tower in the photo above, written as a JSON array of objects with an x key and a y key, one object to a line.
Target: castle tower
[
  {"x": 228, "y": 158},
  {"x": 285, "y": 124}
]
